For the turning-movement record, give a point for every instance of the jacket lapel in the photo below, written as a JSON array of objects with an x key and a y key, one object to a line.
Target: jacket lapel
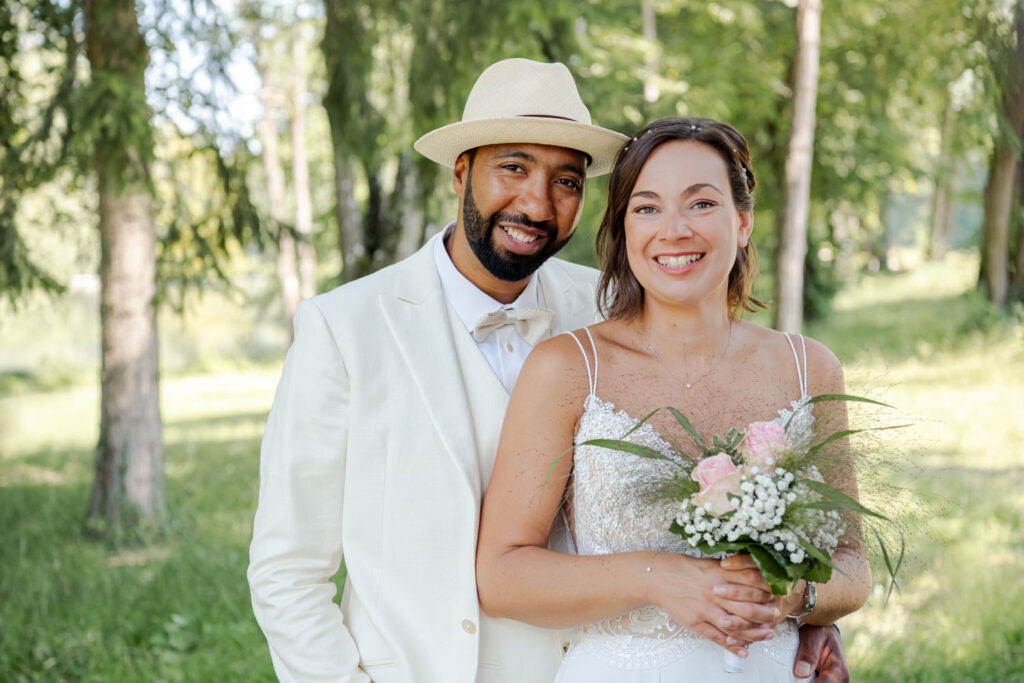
[
  {"x": 572, "y": 301},
  {"x": 417, "y": 316}
]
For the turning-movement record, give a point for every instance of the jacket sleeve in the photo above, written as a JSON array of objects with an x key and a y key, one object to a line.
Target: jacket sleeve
[{"x": 296, "y": 544}]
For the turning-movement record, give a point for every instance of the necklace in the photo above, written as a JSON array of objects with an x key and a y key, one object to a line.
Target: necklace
[{"x": 725, "y": 350}]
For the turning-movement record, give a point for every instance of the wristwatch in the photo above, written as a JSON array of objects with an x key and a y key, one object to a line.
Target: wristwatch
[{"x": 810, "y": 599}]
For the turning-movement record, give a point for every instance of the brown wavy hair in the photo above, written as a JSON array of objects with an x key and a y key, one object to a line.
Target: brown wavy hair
[{"x": 619, "y": 295}]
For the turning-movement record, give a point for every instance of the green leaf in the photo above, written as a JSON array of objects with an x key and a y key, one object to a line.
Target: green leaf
[
  {"x": 846, "y": 432},
  {"x": 627, "y": 447},
  {"x": 889, "y": 564},
  {"x": 818, "y": 554},
  {"x": 685, "y": 423},
  {"x": 772, "y": 571},
  {"x": 823, "y": 398},
  {"x": 819, "y": 572},
  {"x": 835, "y": 500},
  {"x": 642, "y": 421}
]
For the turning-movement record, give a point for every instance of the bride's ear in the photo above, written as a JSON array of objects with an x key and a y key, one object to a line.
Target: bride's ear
[{"x": 745, "y": 229}]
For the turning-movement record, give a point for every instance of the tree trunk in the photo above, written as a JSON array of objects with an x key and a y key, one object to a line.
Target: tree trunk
[
  {"x": 651, "y": 90},
  {"x": 287, "y": 269},
  {"x": 1018, "y": 262},
  {"x": 942, "y": 201},
  {"x": 129, "y": 484},
  {"x": 999, "y": 195},
  {"x": 793, "y": 230},
  {"x": 408, "y": 209},
  {"x": 998, "y": 204},
  {"x": 300, "y": 168},
  {"x": 350, "y": 237}
]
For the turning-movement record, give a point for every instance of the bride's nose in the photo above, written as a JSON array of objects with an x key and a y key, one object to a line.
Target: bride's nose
[{"x": 677, "y": 226}]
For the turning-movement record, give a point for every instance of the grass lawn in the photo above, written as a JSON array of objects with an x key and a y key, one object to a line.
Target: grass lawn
[{"x": 179, "y": 609}]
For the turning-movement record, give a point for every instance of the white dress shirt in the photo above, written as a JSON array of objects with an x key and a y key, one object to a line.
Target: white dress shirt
[{"x": 504, "y": 349}]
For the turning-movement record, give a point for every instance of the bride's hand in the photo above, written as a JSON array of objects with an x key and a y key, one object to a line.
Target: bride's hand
[
  {"x": 685, "y": 587},
  {"x": 786, "y": 604}
]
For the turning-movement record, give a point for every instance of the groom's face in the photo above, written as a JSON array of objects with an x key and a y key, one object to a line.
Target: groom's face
[{"x": 520, "y": 204}]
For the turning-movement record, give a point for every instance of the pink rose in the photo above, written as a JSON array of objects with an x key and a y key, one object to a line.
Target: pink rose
[
  {"x": 717, "y": 477},
  {"x": 718, "y": 493},
  {"x": 764, "y": 441},
  {"x": 709, "y": 470}
]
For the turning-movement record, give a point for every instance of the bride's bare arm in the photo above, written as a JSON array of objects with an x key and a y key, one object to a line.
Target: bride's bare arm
[{"x": 519, "y": 578}]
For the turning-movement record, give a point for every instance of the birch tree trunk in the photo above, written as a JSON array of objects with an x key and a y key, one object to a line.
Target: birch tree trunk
[
  {"x": 300, "y": 167},
  {"x": 651, "y": 90},
  {"x": 939, "y": 236},
  {"x": 287, "y": 269},
  {"x": 128, "y": 487},
  {"x": 793, "y": 229}
]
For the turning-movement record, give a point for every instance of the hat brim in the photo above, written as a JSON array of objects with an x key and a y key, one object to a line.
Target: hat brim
[{"x": 445, "y": 144}]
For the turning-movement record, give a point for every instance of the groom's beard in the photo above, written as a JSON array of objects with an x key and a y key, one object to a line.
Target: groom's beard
[{"x": 498, "y": 261}]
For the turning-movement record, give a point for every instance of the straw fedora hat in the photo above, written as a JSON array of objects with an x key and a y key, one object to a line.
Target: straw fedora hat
[{"x": 519, "y": 100}]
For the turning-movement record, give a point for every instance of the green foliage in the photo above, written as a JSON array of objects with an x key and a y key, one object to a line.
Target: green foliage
[{"x": 112, "y": 122}]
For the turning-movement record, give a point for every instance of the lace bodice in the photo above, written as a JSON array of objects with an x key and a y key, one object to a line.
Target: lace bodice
[{"x": 616, "y": 509}]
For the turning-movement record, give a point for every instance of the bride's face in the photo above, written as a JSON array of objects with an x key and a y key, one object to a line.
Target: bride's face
[{"x": 682, "y": 226}]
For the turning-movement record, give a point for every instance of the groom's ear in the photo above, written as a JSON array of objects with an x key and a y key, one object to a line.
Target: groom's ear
[{"x": 460, "y": 174}]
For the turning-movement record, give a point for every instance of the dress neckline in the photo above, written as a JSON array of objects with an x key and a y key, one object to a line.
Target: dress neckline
[{"x": 782, "y": 417}]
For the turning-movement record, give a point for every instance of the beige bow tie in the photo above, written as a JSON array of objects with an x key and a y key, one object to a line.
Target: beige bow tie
[{"x": 531, "y": 323}]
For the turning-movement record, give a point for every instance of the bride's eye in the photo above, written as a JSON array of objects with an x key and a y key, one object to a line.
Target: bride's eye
[{"x": 644, "y": 210}]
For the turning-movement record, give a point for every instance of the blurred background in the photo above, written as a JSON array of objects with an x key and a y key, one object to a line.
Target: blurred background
[{"x": 175, "y": 175}]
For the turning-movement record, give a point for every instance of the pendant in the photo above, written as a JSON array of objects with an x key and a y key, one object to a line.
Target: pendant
[{"x": 688, "y": 385}]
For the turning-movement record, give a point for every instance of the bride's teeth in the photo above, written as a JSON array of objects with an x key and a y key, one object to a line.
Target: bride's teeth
[
  {"x": 679, "y": 261},
  {"x": 519, "y": 236}
]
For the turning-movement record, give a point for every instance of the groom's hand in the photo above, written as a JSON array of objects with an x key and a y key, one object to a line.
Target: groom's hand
[{"x": 821, "y": 650}]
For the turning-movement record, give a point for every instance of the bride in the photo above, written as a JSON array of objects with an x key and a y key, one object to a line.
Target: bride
[{"x": 677, "y": 273}]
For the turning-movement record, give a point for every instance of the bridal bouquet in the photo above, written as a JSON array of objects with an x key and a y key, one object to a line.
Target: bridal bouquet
[{"x": 760, "y": 491}]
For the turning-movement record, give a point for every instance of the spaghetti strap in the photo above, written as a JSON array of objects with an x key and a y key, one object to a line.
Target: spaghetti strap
[
  {"x": 593, "y": 347},
  {"x": 591, "y": 377},
  {"x": 801, "y": 367}
]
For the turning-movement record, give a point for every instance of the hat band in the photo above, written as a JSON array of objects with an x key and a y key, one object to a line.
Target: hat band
[{"x": 546, "y": 116}]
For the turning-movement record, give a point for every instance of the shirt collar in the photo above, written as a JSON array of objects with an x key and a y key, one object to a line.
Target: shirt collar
[{"x": 469, "y": 302}]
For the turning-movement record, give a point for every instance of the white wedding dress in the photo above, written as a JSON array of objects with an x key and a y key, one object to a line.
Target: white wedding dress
[{"x": 615, "y": 509}]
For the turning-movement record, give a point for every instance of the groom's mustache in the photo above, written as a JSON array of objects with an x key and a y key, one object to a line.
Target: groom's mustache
[{"x": 548, "y": 227}]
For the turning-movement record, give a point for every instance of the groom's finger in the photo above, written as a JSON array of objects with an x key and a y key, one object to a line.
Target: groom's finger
[{"x": 820, "y": 650}]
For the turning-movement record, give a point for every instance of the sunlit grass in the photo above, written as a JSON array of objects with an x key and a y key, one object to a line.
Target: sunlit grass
[
  {"x": 928, "y": 345},
  {"x": 179, "y": 608}
]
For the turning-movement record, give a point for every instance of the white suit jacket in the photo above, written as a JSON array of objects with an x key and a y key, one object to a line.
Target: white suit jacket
[{"x": 378, "y": 448}]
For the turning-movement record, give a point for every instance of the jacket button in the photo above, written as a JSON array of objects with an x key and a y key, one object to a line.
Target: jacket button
[{"x": 468, "y": 626}]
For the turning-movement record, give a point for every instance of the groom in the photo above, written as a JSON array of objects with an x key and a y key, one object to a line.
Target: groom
[{"x": 385, "y": 423}]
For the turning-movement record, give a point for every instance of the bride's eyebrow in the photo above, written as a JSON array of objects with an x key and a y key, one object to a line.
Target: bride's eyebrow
[
  {"x": 650, "y": 194},
  {"x": 697, "y": 187}
]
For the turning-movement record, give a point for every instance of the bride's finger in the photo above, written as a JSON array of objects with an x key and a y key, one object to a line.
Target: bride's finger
[
  {"x": 717, "y": 636},
  {"x": 758, "y": 613},
  {"x": 741, "y": 561},
  {"x": 741, "y": 593},
  {"x": 755, "y": 633},
  {"x": 747, "y": 577}
]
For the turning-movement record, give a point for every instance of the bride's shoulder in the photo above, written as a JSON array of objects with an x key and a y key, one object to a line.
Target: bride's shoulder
[{"x": 823, "y": 367}]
